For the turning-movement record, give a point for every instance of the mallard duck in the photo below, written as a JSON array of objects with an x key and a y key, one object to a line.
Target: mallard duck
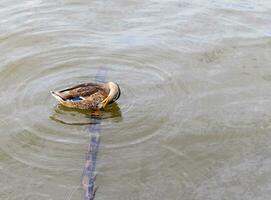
[{"x": 88, "y": 96}]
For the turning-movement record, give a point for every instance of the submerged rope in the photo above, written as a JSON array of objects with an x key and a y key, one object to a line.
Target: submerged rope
[{"x": 89, "y": 174}]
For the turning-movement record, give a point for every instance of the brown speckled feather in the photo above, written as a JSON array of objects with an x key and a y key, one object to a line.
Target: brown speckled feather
[
  {"x": 83, "y": 90},
  {"x": 89, "y": 96},
  {"x": 90, "y": 103},
  {"x": 92, "y": 95}
]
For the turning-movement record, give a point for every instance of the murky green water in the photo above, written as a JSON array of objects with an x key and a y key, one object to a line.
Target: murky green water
[{"x": 194, "y": 118}]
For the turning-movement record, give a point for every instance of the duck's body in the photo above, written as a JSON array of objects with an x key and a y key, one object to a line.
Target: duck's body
[{"x": 88, "y": 96}]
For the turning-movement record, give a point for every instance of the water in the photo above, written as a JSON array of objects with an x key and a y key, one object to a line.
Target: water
[{"x": 193, "y": 121}]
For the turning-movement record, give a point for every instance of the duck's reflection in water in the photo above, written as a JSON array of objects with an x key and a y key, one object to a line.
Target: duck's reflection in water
[{"x": 112, "y": 112}]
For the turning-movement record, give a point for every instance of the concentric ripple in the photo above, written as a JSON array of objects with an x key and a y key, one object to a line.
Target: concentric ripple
[
  {"x": 45, "y": 135},
  {"x": 195, "y": 81}
]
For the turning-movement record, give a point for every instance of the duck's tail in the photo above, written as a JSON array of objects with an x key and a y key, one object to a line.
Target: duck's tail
[{"x": 58, "y": 96}]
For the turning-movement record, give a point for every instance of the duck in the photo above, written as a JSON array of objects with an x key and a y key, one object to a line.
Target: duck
[{"x": 88, "y": 96}]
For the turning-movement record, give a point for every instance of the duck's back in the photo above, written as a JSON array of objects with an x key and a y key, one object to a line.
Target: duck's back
[{"x": 83, "y": 90}]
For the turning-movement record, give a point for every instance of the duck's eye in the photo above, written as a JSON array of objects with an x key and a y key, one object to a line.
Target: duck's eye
[{"x": 116, "y": 96}]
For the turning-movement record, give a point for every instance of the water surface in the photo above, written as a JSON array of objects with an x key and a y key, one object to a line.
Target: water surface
[{"x": 193, "y": 121}]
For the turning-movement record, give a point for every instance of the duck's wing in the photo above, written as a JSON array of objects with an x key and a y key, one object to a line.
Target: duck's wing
[
  {"x": 81, "y": 90},
  {"x": 82, "y": 85}
]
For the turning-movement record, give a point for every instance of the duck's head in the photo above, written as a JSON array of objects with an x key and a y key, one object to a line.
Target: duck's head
[{"x": 114, "y": 94}]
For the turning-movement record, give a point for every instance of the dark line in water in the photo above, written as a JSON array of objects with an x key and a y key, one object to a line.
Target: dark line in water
[{"x": 89, "y": 174}]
